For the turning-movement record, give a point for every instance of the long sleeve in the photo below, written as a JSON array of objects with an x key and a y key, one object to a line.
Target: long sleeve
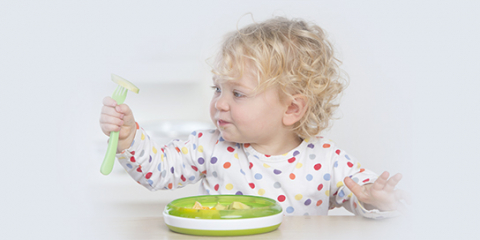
[
  {"x": 345, "y": 165},
  {"x": 166, "y": 167}
]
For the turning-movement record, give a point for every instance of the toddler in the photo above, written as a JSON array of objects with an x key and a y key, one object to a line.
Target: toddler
[{"x": 274, "y": 89}]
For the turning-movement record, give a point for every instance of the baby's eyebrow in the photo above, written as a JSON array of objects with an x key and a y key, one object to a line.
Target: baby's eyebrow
[
  {"x": 217, "y": 80},
  {"x": 241, "y": 85}
]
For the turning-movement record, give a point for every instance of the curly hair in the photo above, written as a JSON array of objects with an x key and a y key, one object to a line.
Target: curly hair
[{"x": 292, "y": 55}]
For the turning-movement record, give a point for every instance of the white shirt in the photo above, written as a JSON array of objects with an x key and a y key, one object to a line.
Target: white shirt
[{"x": 307, "y": 180}]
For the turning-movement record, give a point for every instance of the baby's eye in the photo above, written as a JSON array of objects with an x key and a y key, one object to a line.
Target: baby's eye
[
  {"x": 217, "y": 89},
  {"x": 237, "y": 94}
]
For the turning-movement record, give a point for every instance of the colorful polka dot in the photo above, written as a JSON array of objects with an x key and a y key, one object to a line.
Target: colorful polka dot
[
  {"x": 148, "y": 175},
  {"x": 298, "y": 197},
  {"x": 277, "y": 185},
  {"x": 290, "y": 209},
  {"x": 281, "y": 198},
  {"x": 227, "y": 165},
  {"x": 129, "y": 165},
  {"x": 335, "y": 164},
  {"x": 309, "y": 177},
  {"x": 143, "y": 136},
  {"x": 216, "y": 187},
  {"x": 230, "y": 149},
  {"x": 299, "y": 165},
  {"x": 320, "y": 187},
  {"x": 312, "y": 156},
  {"x": 347, "y": 157},
  {"x": 341, "y": 194},
  {"x": 337, "y": 151},
  {"x": 252, "y": 185},
  {"x": 238, "y": 193},
  {"x": 214, "y": 174},
  {"x": 349, "y": 164},
  {"x": 258, "y": 176},
  {"x": 184, "y": 150},
  {"x": 266, "y": 165},
  {"x": 327, "y": 192},
  {"x": 191, "y": 178},
  {"x": 292, "y": 176},
  {"x": 261, "y": 192},
  {"x": 172, "y": 169},
  {"x": 213, "y": 160},
  {"x": 276, "y": 171},
  {"x": 311, "y": 145},
  {"x": 242, "y": 172},
  {"x": 317, "y": 166},
  {"x": 326, "y": 177},
  {"x": 235, "y": 155},
  {"x": 339, "y": 184},
  {"x": 200, "y": 149},
  {"x": 154, "y": 150},
  {"x": 229, "y": 186},
  {"x": 201, "y": 161},
  {"x": 291, "y": 160},
  {"x": 307, "y": 202},
  {"x": 326, "y": 145},
  {"x": 296, "y": 153},
  {"x": 319, "y": 202}
]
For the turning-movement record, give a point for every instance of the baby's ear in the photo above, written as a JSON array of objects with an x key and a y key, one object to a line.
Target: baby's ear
[{"x": 296, "y": 108}]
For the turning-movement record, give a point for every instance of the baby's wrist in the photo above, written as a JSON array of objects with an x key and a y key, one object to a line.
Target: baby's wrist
[{"x": 127, "y": 142}]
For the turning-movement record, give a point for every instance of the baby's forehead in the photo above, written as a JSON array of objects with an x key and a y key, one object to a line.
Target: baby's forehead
[{"x": 244, "y": 82}]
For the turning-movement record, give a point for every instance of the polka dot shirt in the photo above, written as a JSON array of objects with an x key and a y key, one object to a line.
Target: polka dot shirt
[{"x": 307, "y": 180}]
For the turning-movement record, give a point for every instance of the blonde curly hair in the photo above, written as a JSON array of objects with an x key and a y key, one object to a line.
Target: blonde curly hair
[{"x": 292, "y": 55}]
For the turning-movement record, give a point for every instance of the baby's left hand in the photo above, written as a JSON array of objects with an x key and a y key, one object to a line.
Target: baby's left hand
[{"x": 382, "y": 194}]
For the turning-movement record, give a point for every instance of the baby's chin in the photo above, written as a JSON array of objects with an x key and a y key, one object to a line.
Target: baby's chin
[{"x": 228, "y": 137}]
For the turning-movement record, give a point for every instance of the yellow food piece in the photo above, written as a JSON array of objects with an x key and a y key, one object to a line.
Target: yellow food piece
[
  {"x": 238, "y": 205},
  {"x": 124, "y": 83},
  {"x": 219, "y": 207}
]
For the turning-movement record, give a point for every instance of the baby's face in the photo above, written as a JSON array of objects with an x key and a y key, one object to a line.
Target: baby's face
[{"x": 244, "y": 116}]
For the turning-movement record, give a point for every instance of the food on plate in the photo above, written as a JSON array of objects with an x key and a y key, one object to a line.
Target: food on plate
[{"x": 233, "y": 206}]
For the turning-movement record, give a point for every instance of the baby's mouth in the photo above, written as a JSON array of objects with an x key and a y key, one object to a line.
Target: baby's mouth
[{"x": 222, "y": 123}]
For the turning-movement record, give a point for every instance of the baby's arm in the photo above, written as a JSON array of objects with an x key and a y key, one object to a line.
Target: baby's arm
[
  {"x": 347, "y": 174},
  {"x": 172, "y": 166},
  {"x": 118, "y": 118}
]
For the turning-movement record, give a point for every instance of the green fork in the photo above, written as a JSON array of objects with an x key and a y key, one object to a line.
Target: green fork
[{"x": 119, "y": 96}]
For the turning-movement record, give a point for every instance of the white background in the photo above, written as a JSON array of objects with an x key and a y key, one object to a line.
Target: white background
[{"x": 411, "y": 106}]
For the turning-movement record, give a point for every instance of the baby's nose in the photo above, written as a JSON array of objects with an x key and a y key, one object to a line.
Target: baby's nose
[{"x": 222, "y": 104}]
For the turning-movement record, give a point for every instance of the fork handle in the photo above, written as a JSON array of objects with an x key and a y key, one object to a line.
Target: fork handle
[{"x": 109, "y": 159}]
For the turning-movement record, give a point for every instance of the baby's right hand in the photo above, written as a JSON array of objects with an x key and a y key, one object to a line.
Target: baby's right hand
[{"x": 118, "y": 118}]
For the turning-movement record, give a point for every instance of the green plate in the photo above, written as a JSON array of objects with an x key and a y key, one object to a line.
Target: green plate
[{"x": 265, "y": 215}]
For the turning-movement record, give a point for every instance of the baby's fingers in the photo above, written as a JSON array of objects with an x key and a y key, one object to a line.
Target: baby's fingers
[
  {"x": 392, "y": 182},
  {"x": 108, "y": 101},
  {"x": 381, "y": 181},
  {"x": 355, "y": 188}
]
